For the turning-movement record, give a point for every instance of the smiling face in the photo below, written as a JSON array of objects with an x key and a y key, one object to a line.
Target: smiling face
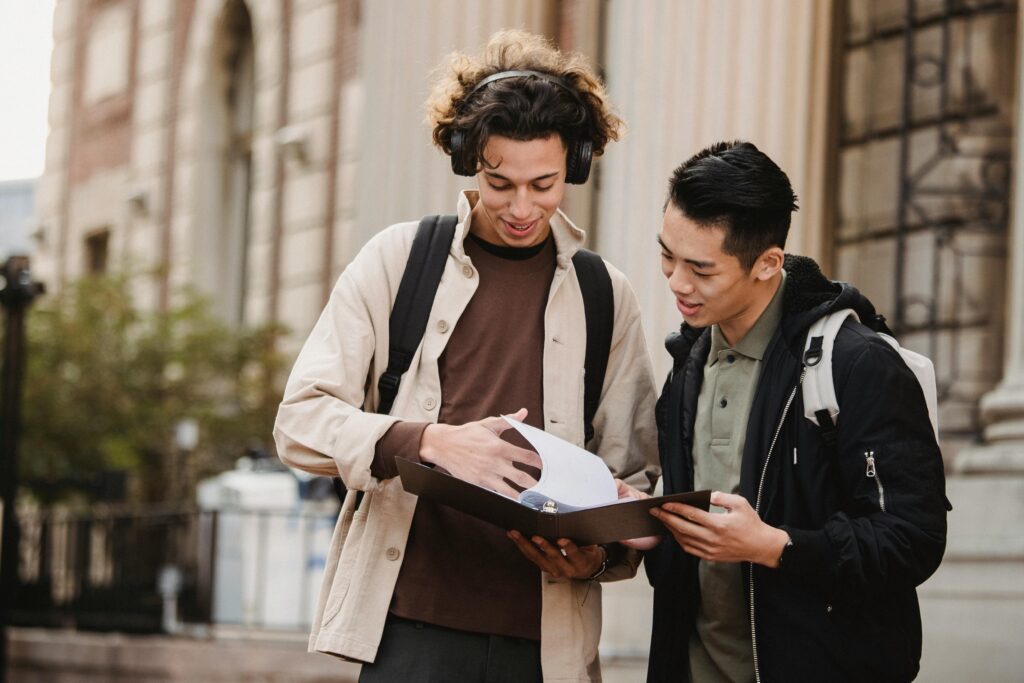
[
  {"x": 521, "y": 186},
  {"x": 711, "y": 286}
]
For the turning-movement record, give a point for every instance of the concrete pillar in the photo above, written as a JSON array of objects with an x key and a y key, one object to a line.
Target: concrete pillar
[
  {"x": 1002, "y": 410},
  {"x": 973, "y": 608}
]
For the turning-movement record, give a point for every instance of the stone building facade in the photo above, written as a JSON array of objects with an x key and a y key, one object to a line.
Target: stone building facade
[{"x": 250, "y": 147}]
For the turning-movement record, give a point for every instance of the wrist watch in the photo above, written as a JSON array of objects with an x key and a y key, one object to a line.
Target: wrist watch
[{"x": 604, "y": 564}]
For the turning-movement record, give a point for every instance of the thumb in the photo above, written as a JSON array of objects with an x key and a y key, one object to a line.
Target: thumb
[
  {"x": 729, "y": 501},
  {"x": 499, "y": 424},
  {"x": 518, "y": 416}
]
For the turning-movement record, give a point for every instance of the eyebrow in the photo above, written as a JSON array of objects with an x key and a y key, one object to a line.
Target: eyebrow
[
  {"x": 693, "y": 262},
  {"x": 498, "y": 176}
]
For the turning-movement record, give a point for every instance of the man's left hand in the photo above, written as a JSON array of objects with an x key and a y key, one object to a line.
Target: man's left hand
[
  {"x": 563, "y": 559},
  {"x": 737, "y": 535}
]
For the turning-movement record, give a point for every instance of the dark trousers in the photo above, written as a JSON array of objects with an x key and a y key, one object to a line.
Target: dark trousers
[{"x": 414, "y": 652}]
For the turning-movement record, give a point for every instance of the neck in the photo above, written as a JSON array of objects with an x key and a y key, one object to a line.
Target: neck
[{"x": 735, "y": 329}]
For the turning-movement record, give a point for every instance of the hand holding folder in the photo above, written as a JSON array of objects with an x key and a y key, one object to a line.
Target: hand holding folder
[{"x": 575, "y": 497}]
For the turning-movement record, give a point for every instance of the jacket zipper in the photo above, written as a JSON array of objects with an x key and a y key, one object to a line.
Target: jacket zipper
[
  {"x": 872, "y": 473},
  {"x": 757, "y": 509}
]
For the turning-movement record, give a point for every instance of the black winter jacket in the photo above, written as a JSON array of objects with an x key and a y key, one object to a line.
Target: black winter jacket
[{"x": 843, "y": 605}]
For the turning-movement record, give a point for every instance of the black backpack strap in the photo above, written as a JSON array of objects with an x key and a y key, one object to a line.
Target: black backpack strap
[
  {"x": 415, "y": 297},
  {"x": 599, "y": 307}
]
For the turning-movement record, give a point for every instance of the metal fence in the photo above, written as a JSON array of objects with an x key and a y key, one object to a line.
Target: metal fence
[{"x": 148, "y": 571}]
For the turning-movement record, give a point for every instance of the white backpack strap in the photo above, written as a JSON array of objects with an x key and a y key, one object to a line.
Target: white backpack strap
[{"x": 819, "y": 390}]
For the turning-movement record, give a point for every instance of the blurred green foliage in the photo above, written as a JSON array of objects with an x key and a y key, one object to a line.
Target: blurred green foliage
[{"x": 107, "y": 383}]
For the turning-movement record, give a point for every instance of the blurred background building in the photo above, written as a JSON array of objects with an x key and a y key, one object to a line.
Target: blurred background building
[
  {"x": 17, "y": 208},
  {"x": 250, "y": 148}
]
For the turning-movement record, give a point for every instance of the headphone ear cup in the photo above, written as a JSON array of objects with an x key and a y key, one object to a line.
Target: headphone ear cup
[
  {"x": 458, "y": 144},
  {"x": 578, "y": 160}
]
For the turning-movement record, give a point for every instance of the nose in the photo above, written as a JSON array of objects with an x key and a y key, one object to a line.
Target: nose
[
  {"x": 679, "y": 282},
  {"x": 520, "y": 205}
]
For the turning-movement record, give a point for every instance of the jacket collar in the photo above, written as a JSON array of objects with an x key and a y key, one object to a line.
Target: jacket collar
[{"x": 568, "y": 238}]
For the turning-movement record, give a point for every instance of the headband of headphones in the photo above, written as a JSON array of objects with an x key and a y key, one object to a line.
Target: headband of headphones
[
  {"x": 519, "y": 73},
  {"x": 579, "y": 154}
]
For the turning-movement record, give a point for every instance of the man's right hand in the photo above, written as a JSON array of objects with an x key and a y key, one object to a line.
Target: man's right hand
[
  {"x": 627, "y": 492},
  {"x": 476, "y": 453}
]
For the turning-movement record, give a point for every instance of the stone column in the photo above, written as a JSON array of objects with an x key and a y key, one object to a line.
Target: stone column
[
  {"x": 1002, "y": 410},
  {"x": 973, "y": 608}
]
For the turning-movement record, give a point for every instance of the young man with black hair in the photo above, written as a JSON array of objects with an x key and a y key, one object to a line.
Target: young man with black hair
[
  {"x": 806, "y": 568},
  {"x": 417, "y": 590}
]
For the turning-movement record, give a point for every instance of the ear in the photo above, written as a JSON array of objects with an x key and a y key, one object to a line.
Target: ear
[{"x": 769, "y": 263}]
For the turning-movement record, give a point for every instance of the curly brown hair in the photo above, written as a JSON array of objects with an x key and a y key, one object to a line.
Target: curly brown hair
[{"x": 521, "y": 108}]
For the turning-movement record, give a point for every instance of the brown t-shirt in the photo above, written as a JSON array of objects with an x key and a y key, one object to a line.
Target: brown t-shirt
[{"x": 461, "y": 572}]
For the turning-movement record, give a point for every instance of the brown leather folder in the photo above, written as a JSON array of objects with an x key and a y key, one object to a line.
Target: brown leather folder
[{"x": 603, "y": 524}]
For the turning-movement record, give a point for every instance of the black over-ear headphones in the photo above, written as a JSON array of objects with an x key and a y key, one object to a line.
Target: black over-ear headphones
[{"x": 579, "y": 154}]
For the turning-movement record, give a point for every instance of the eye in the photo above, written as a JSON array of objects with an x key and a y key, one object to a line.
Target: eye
[
  {"x": 700, "y": 274},
  {"x": 498, "y": 187},
  {"x": 541, "y": 188},
  {"x": 665, "y": 255}
]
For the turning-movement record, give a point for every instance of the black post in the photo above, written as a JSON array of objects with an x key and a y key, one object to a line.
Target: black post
[{"x": 16, "y": 296}]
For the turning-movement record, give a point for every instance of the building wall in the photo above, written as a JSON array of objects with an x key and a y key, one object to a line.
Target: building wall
[{"x": 679, "y": 91}]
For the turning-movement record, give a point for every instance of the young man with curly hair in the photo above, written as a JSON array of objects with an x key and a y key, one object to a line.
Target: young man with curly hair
[{"x": 415, "y": 590}]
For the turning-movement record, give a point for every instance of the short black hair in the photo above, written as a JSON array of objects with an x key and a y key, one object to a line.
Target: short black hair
[{"x": 735, "y": 186}]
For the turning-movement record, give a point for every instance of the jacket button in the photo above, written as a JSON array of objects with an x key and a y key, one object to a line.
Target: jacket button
[
  {"x": 430, "y": 404},
  {"x": 392, "y": 554},
  {"x": 467, "y": 271},
  {"x": 442, "y": 326},
  {"x": 724, "y": 402},
  {"x": 828, "y": 608},
  {"x": 731, "y": 358}
]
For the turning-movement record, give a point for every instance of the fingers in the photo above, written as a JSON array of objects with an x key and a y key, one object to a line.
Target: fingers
[
  {"x": 517, "y": 477},
  {"x": 548, "y": 563},
  {"x": 501, "y": 486},
  {"x": 499, "y": 424},
  {"x": 561, "y": 560},
  {"x": 729, "y": 501},
  {"x": 681, "y": 525},
  {"x": 526, "y": 457},
  {"x": 625, "y": 491},
  {"x": 691, "y": 514},
  {"x": 644, "y": 543}
]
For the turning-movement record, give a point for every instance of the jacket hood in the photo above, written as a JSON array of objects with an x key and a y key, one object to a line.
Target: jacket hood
[{"x": 809, "y": 295}]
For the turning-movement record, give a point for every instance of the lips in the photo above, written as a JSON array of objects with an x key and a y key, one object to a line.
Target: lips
[
  {"x": 519, "y": 228},
  {"x": 688, "y": 309}
]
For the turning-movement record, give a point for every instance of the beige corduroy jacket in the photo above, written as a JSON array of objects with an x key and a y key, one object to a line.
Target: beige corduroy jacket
[{"x": 326, "y": 425}]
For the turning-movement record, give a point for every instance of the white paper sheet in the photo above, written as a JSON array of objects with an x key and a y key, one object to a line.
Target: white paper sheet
[{"x": 570, "y": 477}]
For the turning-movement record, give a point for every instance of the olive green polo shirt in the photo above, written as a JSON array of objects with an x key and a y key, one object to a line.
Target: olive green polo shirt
[{"x": 721, "y": 650}]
